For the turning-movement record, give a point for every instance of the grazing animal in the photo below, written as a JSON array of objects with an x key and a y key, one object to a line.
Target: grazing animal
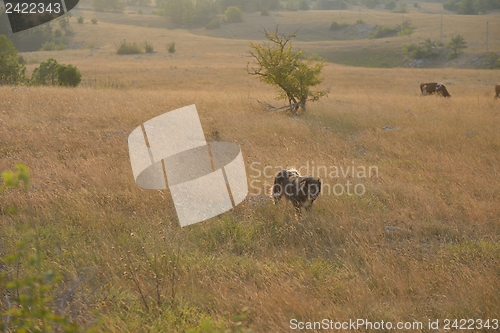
[
  {"x": 497, "y": 91},
  {"x": 301, "y": 191},
  {"x": 434, "y": 88}
]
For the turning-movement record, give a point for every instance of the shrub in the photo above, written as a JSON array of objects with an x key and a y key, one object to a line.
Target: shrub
[
  {"x": 383, "y": 31},
  {"x": 264, "y": 12},
  {"x": 148, "y": 47},
  {"x": 416, "y": 5},
  {"x": 80, "y": 20},
  {"x": 233, "y": 14},
  {"x": 359, "y": 21},
  {"x": 335, "y": 26},
  {"x": 52, "y": 73},
  {"x": 171, "y": 47},
  {"x": 93, "y": 20},
  {"x": 128, "y": 48},
  {"x": 53, "y": 46},
  {"x": 139, "y": 12},
  {"x": 492, "y": 60},
  {"x": 427, "y": 50},
  {"x": 68, "y": 76},
  {"x": 214, "y": 24}
]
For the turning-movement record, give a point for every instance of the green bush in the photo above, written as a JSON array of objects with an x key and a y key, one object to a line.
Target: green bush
[
  {"x": 416, "y": 5},
  {"x": 68, "y": 76},
  {"x": 336, "y": 26},
  {"x": 214, "y": 24},
  {"x": 93, "y": 20},
  {"x": 52, "y": 73},
  {"x": 128, "y": 48},
  {"x": 427, "y": 50},
  {"x": 53, "y": 46},
  {"x": 171, "y": 47},
  {"x": 80, "y": 20},
  {"x": 148, "y": 47},
  {"x": 492, "y": 60},
  {"x": 383, "y": 31},
  {"x": 233, "y": 14}
]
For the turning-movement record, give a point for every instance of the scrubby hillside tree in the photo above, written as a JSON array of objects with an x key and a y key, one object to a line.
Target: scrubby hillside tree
[
  {"x": 277, "y": 64},
  {"x": 115, "y": 6},
  {"x": 11, "y": 71},
  {"x": 457, "y": 44}
]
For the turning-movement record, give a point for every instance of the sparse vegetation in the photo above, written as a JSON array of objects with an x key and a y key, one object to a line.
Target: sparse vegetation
[
  {"x": 148, "y": 47},
  {"x": 93, "y": 20},
  {"x": 125, "y": 48},
  {"x": 80, "y": 20},
  {"x": 384, "y": 31},
  {"x": 171, "y": 47},
  {"x": 338, "y": 26},
  {"x": 427, "y": 50}
]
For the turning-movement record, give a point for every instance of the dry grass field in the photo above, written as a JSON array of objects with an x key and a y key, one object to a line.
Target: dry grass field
[{"x": 422, "y": 242}]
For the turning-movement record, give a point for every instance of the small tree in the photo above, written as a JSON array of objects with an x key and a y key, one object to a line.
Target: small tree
[
  {"x": 11, "y": 71},
  {"x": 279, "y": 65},
  {"x": 46, "y": 73},
  {"x": 457, "y": 44},
  {"x": 233, "y": 14}
]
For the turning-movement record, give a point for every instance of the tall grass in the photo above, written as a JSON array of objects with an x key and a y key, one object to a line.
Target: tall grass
[{"x": 420, "y": 244}]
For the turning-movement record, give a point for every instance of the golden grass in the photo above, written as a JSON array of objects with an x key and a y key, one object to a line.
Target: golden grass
[{"x": 438, "y": 191}]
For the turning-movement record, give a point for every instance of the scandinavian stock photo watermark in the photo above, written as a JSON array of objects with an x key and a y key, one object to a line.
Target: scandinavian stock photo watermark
[{"x": 337, "y": 180}]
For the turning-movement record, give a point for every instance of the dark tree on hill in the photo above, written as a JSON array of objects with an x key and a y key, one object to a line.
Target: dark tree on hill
[{"x": 277, "y": 64}]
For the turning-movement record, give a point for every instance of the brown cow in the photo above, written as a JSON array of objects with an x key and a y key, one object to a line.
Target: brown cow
[
  {"x": 497, "y": 91},
  {"x": 434, "y": 88}
]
